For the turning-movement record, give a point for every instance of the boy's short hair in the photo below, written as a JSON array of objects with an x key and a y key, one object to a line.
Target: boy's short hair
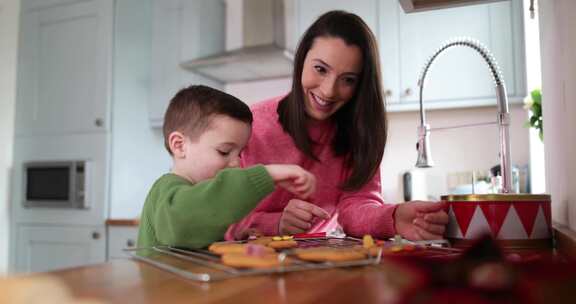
[{"x": 191, "y": 110}]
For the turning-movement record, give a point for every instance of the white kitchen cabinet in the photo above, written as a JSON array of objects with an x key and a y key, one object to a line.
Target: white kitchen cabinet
[
  {"x": 62, "y": 114},
  {"x": 50, "y": 247},
  {"x": 64, "y": 67},
  {"x": 181, "y": 30},
  {"x": 308, "y": 11},
  {"x": 459, "y": 76},
  {"x": 120, "y": 238}
]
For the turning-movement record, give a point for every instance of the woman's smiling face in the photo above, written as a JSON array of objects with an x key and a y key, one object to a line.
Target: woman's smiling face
[{"x": 330, "y": 76}]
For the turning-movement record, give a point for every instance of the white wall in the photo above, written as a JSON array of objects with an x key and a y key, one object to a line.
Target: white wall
[
  {"x": 252, "y": 92},
  {"x": 558, "y": 49},
  {"x": 138, "y": 154},
  {"x": 533, "y": 81},
  {"x": 453, "y": 150},
  {"x": 9, "y": 12}
]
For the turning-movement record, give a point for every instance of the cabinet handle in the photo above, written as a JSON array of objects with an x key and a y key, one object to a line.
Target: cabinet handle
[
  {"x": 98, "y": 122},
  {"x": 407, "y": 92},
  {"x": 388, "y": 93},
  {"x": 95, "y": 235},
  {"x": 130, "y": 243}
]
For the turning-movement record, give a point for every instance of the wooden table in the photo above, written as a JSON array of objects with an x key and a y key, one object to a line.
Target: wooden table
[{"x": 130, "y": 281}]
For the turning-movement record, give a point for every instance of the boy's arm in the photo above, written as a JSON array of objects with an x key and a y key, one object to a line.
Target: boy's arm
[
  {"x": 292, "y": 178},
  {"x": 195, "y": 216}
]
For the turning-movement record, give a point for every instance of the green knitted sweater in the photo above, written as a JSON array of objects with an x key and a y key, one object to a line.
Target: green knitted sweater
[{"x": 179, "y": 213}]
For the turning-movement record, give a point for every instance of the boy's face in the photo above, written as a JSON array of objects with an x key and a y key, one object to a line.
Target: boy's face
[{"x": 218, "y": 147}]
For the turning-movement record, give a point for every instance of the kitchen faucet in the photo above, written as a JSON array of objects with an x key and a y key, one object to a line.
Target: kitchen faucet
[{"x": 424, "y": 159}]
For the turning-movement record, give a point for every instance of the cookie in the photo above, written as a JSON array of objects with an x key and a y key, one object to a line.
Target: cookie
[
  {"x": 263, "y": 240},
  {"x": 391, "y": 250},
  {"x": 368, "y": 241},
  {"x": 249, "y": 261},
  {"x": 283, "y": 244},
  {"x": 223, "y": 248},
  {"x": 282, "y": 238},
  {"x": 326, "y": 254}
]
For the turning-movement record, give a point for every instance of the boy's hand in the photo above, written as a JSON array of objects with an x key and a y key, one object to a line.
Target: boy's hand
[
  {"x": 298, "y": 215},
  {"x": 293, "y": 178}
]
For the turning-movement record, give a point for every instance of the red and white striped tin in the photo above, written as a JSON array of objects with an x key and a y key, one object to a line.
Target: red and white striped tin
[{"x": 515, "y": 220}]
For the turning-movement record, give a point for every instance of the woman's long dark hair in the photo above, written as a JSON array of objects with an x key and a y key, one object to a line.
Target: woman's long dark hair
[{"x": 361, "y": 124}]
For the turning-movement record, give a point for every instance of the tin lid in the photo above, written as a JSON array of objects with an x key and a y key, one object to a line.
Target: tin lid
[{"x": 496, "y": 197}]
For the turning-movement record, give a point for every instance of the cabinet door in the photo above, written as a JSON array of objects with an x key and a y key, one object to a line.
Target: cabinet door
[
  {"x": 389, "y": 49},
  {"x": 181, "y": 30},
  {"x": 64, "y": 67},
  {"x": 459, "y": 74},
  {"x": 47, "y": 248},
  {"x": 308, "y": 11},
  {"x": 120, "y": 238}
]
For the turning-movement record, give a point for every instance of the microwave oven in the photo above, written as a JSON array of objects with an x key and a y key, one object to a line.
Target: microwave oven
[{"x": 57, "y": 184}]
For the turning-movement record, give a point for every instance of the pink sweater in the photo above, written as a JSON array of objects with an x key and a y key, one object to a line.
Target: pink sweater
[{"x": 358, "y": 213}]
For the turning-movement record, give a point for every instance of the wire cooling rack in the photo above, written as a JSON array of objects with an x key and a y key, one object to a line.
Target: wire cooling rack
[{"x": 202, "y": 265}]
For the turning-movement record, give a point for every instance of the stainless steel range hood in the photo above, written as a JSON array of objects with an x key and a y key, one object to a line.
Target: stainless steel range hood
[
  {"x": 257, "y": 43},
  {"x": 414, "y": 6}
]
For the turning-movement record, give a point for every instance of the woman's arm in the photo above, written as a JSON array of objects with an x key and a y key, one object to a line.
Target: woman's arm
[
  {"x": 364, "y": 211},
  {"x": 267, "y": 223},
  {"x": 421, "y": 220}
]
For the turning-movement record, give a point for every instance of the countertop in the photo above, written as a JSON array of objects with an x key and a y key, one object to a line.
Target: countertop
[
  {"x": 122, "y": 222},
  {"x": 125, "y": 280}
]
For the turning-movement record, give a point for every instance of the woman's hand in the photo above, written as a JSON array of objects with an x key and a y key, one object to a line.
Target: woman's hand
[
  {"x": 420, "y": 220},
  {"x": 298, "y": 215},
  {"x": 293, "y": 178}
]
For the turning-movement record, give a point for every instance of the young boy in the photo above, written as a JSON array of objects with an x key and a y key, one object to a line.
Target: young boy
[{"x": 204, "y": 131}]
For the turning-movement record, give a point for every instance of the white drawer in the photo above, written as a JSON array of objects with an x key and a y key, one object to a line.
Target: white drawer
[{"x": 119, "y": 238}]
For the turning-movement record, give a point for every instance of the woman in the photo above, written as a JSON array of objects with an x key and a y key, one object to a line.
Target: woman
[{"x": 332, "y": 123}]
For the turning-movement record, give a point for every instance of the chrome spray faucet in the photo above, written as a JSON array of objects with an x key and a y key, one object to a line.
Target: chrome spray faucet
[{"x": 424, "y": 158}]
